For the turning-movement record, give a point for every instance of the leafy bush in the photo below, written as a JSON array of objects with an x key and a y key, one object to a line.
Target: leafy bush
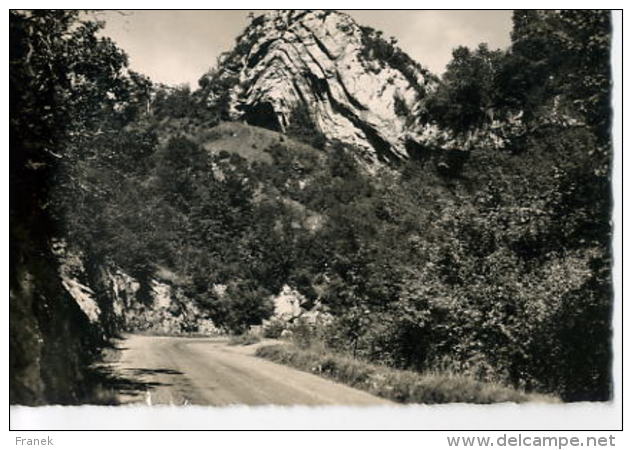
[
  {"x": 305, "y": 334},
  {"x": 273, "y": 328}
]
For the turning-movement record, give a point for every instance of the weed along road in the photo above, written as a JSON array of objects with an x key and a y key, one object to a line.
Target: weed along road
[{"x": 207, "y": 371}]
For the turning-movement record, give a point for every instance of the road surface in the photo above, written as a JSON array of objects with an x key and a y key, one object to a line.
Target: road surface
[{"x": 206, "y": 371}]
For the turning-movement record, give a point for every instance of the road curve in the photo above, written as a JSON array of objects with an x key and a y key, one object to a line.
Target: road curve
[{"x": 206, "y": 371}]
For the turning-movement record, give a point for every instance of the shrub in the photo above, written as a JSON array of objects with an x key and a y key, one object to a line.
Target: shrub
[
  {"x": 273, "y": 328},
  {"x": 243, "y": 305}
]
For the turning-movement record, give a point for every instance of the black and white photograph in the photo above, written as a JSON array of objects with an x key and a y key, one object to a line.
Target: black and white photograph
[{"x": 371, "y": 209}]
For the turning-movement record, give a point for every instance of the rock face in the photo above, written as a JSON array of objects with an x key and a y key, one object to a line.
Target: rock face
[
  {"x": 287, "y": 305},
  {"x": 168, "y": 311},
  {"x": 56, "y": 324},
  {"x": 110, "y": 299},
  {"x": 356, "y": 87}
]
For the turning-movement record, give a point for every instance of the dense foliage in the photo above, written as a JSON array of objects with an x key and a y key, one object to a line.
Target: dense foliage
[
  {"x": 533, "y": 250},
  {"x": 469, "y": 91}
]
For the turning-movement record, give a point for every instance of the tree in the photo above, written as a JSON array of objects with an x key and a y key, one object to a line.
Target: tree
[
  {"x": 65, "y": 83},
  {"x": 564, "y": 56},
  {"x": 465, "y": 97},
  {"x": 243, "y": 304}
]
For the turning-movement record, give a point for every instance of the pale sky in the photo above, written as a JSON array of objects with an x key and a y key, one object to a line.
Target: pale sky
[{"x": 176, "y": 47}]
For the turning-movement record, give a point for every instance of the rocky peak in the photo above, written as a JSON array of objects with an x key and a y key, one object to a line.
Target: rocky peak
[{"x": 357, "y": 87}]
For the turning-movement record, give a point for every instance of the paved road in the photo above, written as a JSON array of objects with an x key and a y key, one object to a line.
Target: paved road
[{"x": 204, "y": 371}]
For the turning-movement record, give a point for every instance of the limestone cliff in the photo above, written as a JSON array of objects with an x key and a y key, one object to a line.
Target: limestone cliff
[{"x": 357, "y": 87}]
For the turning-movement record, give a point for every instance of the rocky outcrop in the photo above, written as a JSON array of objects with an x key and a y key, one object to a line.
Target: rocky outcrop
[
  {"x": 288, "y": 304},
  {"x": 356, "y": 87},
  {"x": 73, "y": 278},
  {"x": 168, "y": 311},
  {"x": 111, "y": 300},
  {"x": 291, "y": 306}
]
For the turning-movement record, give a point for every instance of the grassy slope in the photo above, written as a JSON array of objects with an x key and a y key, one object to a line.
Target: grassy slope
[
  {"x": 245, "y": 140},
  {"x": 398, "y": 385}
]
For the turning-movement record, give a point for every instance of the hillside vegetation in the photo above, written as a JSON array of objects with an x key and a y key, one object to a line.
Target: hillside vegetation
[
  {"x": 492, "y": 264},
  {"x": 400, "y": 386}
]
